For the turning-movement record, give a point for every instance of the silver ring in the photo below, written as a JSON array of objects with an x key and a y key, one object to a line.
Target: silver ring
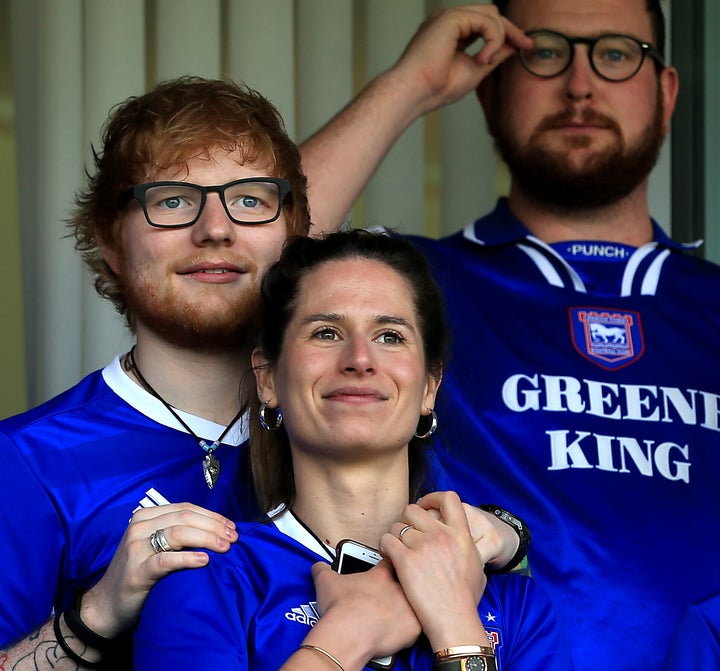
[
  {"x": 159, "y": 543},
  {"x": 404, "y": 530}
]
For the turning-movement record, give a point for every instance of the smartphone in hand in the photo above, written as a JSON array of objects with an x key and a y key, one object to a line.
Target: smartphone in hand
[{"x": 354, "y": 557}]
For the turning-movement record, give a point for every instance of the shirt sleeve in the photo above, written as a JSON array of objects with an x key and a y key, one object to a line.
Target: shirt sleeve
[
  {"x": 696, "y": 644},
  {"x": 192, "y": 619},
  {"x": 534, "y": 640},
  {"x": 32, "y": 540}
]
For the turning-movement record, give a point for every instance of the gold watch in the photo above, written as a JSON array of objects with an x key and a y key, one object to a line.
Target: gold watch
[
  {"x": 465, "y": 658},
  {"x": 469, "y": 663}
]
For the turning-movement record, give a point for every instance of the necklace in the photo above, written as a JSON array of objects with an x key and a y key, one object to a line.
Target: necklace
[
  {"x": 324, "y": 544},
  {"x": 211, "y": 465}
]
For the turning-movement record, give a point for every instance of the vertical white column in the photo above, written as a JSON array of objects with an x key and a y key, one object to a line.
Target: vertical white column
[
  {"x": 324, "y": 61},
  {"x": 261, "y": 51},
  {"x": 47, "y": 64},
  {"x": 324, "y": 64},
  {"x": 395, "y": 196},
  {"x": 189, "y": 38},
  {"x": 469, "y": 167},
  {"x": 712, "y": 131},
  {"x": 13, "y": 394},
  {"x": 114, "y": 65},
  {"x": 660, "y": 185}
]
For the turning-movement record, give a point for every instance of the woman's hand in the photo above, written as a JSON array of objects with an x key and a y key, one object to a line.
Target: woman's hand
[
  {"x": 439, "y": 570},
  {"x": 363, "y": 615}
]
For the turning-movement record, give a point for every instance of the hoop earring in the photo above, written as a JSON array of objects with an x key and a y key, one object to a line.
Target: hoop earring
[
  {"x": 431, "y": 430},
  {"x": 276, "y": 422}
]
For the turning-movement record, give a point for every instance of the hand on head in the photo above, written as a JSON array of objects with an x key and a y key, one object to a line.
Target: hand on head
[{"x": 437, "y": 61}]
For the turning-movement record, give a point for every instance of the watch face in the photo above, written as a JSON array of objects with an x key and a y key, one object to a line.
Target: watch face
[{"x": 475, "y": 664}]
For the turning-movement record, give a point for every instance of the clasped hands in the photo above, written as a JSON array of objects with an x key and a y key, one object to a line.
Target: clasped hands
[{"x": 430, "y": 581}]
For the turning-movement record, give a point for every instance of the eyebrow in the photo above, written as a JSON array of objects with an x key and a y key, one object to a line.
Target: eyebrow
[
  {"x": 595, "y": 35},
  {"x": 334, "y": 317}
]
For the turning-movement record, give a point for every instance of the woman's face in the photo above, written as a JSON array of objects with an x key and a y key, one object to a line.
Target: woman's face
[{"x": 351, "y": 379}]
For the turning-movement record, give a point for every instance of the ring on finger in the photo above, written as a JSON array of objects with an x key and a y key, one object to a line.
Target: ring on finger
[
  {"x": 159, "y": 543},
  {"x": 404, "y": 530}
]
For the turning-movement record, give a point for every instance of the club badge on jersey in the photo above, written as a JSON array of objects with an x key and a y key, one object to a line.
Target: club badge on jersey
[{"x": 608, "y": 337}]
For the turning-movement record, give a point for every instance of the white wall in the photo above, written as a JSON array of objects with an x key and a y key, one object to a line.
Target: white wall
[{"x": 74, "y": 59}]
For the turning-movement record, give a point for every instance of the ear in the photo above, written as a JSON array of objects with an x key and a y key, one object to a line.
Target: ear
[
  {"x": 486, "y": 92},
  {"x": 432, "y": 384},
  {"x": 264, "y": 379},
  {"x": 109, "y": 253},
  {"x": 669, "y": 85}
]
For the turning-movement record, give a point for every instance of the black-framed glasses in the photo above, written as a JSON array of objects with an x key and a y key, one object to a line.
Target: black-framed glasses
[
  {"x": 252, "y": 201},
  {"x": 612, "y": 57}
]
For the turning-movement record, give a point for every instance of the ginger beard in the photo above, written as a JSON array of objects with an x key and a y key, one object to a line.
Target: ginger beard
[
  {"x": 547, "y": 176},
  {"x": 203, "y": 322}
]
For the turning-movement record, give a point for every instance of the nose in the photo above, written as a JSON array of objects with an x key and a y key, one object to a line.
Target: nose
[
  {"x": 214, "y": 226},
  {"x": 580, "y": 76},
  {"x": 358, "y": 356}
]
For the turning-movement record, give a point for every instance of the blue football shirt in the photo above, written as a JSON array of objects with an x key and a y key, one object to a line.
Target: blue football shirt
[
  {"x": 251, "y": 608},
  {"x": 75, "y": 469},
  {"x": 583, "y": 393}
]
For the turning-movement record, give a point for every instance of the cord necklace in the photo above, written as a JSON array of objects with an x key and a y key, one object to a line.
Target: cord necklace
[{"x": 211, "y": 465}]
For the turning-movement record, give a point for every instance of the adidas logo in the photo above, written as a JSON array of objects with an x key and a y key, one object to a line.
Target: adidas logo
[
  {"x": 305, "y": 614},
  {"x": 151, "y": 499}
]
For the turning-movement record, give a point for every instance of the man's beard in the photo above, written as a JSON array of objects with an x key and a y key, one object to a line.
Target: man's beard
[
  {"x": 180, "y": 322},
  {"x": 608, "y": 176}
]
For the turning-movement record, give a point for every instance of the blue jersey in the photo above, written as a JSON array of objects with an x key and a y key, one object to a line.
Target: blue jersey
[
  {"x": 251, "y": 608},
  {"x": 696, "y": 644},
  {"x": 583, "y": 393},
  {"x": 73, "y": 471}
]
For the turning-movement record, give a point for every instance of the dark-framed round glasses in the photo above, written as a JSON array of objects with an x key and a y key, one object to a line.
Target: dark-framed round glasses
[
  {"x": 612, "y": 57},
  {"x": 251, "y": 201}
]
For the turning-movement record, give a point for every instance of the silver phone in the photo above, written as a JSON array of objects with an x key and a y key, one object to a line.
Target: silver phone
[{"x": 354, "y": 557}]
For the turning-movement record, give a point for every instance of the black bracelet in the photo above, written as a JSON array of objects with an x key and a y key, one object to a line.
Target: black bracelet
[
  {"x": 82, "y": 631},
  {"x": 71, "y": 654},
  {"x": 520, "y": 529}
]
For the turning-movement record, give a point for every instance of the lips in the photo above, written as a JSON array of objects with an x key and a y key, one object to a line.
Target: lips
[
  {"x": 353, "y": 394},
  {"x": 572, "y": 120},
  {"x": 221, "y": 271},
  {"x": 580, "y": 126}
]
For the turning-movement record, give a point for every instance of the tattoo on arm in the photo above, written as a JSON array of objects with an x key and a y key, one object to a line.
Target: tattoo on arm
[{"x": 39, "y": 652}]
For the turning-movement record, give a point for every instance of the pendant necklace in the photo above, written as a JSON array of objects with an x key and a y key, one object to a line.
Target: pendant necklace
[{"x": 211, "y": 465}]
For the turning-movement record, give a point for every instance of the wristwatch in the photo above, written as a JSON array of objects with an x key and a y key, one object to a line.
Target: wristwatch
[
  {"x": 465, "y": 658},
  {"x": 520, "y": 529},
  {"x": 471, "y": 663}
]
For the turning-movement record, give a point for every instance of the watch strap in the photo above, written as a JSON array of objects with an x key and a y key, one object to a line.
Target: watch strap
[
  {"x": 520, "y": 528},
  {"x": 467, "y": 663},
  {"x": 463, "y": 651}
]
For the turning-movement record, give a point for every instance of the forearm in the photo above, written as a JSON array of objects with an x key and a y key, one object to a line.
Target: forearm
[
  {"x": 507, "y": 547},
  {"x": 514, "y": 536},
  {"x": 434, "y": 70},
  {"x": 455, "y": 627},
  {"x": 330, "y": 645},
  {"x": 342, "y": 156},
  {"x": 333, "y": 654},
  {"x": 40, "y": 651}
]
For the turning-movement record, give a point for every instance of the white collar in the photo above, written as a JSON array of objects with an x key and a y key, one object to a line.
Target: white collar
[
  {"x": 289, "y": 525},
  {"x": 144, "y": 402}
]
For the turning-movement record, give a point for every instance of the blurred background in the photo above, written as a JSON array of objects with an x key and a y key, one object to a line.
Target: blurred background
[{"x": 65, "y": 63}]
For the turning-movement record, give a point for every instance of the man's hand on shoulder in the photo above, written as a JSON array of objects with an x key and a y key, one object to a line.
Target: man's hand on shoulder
[{"x": 114, "y": 603}]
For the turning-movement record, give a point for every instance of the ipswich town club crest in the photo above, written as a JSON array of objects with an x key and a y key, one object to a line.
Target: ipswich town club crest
[{"x": 611, "y": 339}]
